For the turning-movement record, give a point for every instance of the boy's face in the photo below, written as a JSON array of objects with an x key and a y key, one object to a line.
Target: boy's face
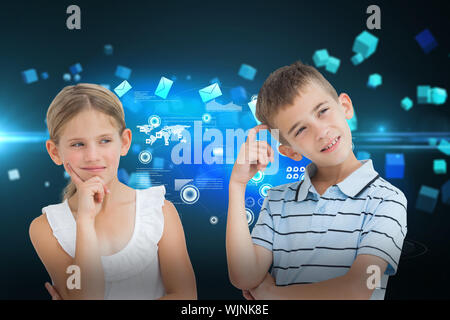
[
  {"x": 91, "y": 140},
  {"x": 313, "y": 121}
]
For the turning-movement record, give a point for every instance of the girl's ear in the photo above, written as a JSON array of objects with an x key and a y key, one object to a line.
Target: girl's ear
[
  {"x": 52, "y": 150},
  {"x": 126, "y": 142},
  {"x": 287, "y": 151}
]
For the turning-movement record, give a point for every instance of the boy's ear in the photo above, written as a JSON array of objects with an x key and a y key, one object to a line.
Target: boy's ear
[
  {"x": 287, "y": 151},
  {"x": 53, "y": 152},
  {"x": 126, "y": 142},
  {"x": 346, "y": 103}
]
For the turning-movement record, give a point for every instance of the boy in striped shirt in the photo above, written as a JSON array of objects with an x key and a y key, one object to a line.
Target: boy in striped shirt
[{"x": 338, "y": 233}]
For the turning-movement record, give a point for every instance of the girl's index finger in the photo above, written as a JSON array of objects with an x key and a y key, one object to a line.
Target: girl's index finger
[{"x": 76, "y": 178}]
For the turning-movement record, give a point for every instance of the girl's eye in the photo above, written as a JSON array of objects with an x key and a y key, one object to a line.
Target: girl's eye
[{"x": 323, "y": 111}]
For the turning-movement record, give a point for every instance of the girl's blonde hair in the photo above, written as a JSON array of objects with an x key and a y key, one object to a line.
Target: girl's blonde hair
[{"x": 70, "y": 101}]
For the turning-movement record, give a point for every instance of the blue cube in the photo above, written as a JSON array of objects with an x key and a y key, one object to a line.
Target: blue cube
[
  {"x": 238, "y": 94},
  {"x": 357, "y": 59},
  {"x": 395, "y": 165},
  {"x": 247, "y": 72},
  {"x": 108, "y": 49},
  {"x": 76, "y": 78},
  {"x": 320, "y": 58},
  {"x": 426, "y": 41},
  {"x": 427, "y": 199},
  {"x": 432, "y": 141},
  {"x": 406, "y": 103},
  {"x": 67, "y": 77},
  {"x": 76, "y": 68},
  {"x": 332, "y": 64},
  {"x": 365, "y": 44},
  {"x": 438, "y": 96},
  {"x": 423, "y": 94},
  {"x": 122, "y": 176},
  {"x": 439, "y": 166},
  {"x": 29, "y": 76},
  {"x": 445, "y": 192},
  {"x": 362, "y": 155},
  {"x": 44, "y": 75},
  {"x": 136, "y": 148},
  {"x": 158, "y": 163},
  {"x": 374, "y": 81},
  {"x": 444, "y": 147},
  {"x": 123, "y": 72}
]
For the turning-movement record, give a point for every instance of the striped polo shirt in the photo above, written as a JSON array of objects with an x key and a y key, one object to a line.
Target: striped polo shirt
[{"x": 315, "y": 238}]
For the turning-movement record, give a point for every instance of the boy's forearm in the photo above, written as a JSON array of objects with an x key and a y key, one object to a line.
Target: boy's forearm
[
  {"x": 241, "y": 254},
  {"x": 88, "y": 259}
]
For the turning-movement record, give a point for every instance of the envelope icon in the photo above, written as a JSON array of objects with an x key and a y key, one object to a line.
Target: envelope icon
[
  {"x": 252, "y": 106},
  {"x": 122, "y": 88},
  {"x": 163, "y": 88},
  {"x": 210, "y": 92}
]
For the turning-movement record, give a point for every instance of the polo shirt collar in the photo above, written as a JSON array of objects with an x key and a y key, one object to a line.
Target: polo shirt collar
[{"x": 352, "y": 186}]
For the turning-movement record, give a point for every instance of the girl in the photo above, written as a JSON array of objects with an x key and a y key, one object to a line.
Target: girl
[{"x": 106, "y": 240}]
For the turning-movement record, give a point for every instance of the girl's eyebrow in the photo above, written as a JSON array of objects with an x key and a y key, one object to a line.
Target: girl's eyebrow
[{"x": 102, "y": 135}]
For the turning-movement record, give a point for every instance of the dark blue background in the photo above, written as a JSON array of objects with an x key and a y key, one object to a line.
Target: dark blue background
[{"x": 206, "y": 40}]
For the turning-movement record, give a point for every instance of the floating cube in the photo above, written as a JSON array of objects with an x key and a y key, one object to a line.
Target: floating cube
[
  {"x": 439, "y": 166},
  {"x": 108, "y": 49},
  {"x": 123, "y": 72},
  {"x": 238, "y": 94},
  {"x": 158, "y": 163},
  {"x": 426, "y": 41},
  {"x": 67, "y": 77},
  {"x": 136, "y": 148},
  {"x": 332, "y": 64},
  {"x": 76, "y": 68},
  {"x": 13, "y": 174},
  {"x": 247, "y": 72},
  {"x": 438, "y": 96},
  {"x": 365, "y": 44},
  {"x": 353, "y": 122},
  {"x": 374, "y": 81},
  {"x": 432, "y": 141},
  {"x": 406, "y": 103},
  {"x": 123, "y": 176},
  {"x": 362, "y": 155},
  {"x": 76, "y": 78},
  {"x": 29, "y": 76},
  {"x": 320, "y": 58},
  {"x": 427, "y": 199},
  {"x": 357, "y": 59},
  {"x": 423, "y": 94},
  {"x": 44, "y": 75},
  {"x": 395, "y": 165},
  {"x": 188, "y": 77},
  {"x": 445, "y": 192},
  {"x": 444, "y": 147},
  {"x": 47, "y": 184}
]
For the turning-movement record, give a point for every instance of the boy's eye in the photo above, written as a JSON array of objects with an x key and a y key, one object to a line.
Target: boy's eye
[{"x": 299, "y": 131}]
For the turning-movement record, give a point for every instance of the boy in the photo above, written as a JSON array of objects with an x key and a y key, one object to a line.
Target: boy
[{"x": 338, "y": 233}]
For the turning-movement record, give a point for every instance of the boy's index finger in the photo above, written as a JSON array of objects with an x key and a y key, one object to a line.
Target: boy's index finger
[{"x": 253, "y": 131}]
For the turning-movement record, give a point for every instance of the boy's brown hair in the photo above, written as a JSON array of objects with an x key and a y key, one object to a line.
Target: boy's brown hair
[{"x": 283, "y": 86}]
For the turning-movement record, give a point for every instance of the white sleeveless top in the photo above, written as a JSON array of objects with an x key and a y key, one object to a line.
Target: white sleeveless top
[{"x": 133, "y": 272}]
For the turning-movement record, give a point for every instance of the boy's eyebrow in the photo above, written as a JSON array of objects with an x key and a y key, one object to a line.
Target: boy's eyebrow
[
  {"x": 102, "y": 135},
  {"x": 312, "y": 111}
]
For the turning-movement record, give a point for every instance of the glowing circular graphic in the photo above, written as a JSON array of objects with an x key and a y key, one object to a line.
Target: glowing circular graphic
[
  {"x": 295, "y": 176},
  {"x": 302, "y": 176},
  {"x": 206, "y": 118},
  {"x": 264, "y": 189},
  {"x": 258, "y": 177},
  {"x": 145, "y": 156},
  {"x": 249, "y": 202},
  {"x": 261, "y": 202},
  {"x": 154, "y": 120},
  {"x": 302, "y": 169},
  {"x": 213, "y": 220},
  {"x": 189, "y": 194},
  {"x": 250, "y": 216},
  {"x": 289, "y": 169},
  {"x": 289, "y": 176},
  {"x": 295, "y": 169}
]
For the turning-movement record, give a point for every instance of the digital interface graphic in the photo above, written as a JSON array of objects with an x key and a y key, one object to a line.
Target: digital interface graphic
[{"x": 188, "y": 78}]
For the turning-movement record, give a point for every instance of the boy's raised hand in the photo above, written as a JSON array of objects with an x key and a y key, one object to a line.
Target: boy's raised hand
[
  {"x": 253, "y": 156},
  {"x": 90, "y": 193}
]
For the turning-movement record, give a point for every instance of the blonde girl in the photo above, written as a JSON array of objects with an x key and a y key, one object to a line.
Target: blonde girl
[{"x": 106, "y": 240}]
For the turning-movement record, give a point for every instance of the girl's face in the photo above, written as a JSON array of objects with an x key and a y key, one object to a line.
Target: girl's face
[{"x": 91, "y": 143}]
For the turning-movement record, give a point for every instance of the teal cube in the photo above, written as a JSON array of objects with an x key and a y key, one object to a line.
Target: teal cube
[
  {"x": 332, "y": 64},
  {"x": 444, "y": 147},
  {"x": 406, "y": 103},
  {"x": 423, "y": 94},
  {"x": 438, "y": 96},
  {"x": 374, "y": 81},
  {"x": 427, "y": 199},
  {"x": 365, "y": 44},
  {"x": 439, "y": 166},
  {"x": 432, "y": 141},
  {"x": 320, "y": 58},
  {"x": 357, "y": 59}
]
